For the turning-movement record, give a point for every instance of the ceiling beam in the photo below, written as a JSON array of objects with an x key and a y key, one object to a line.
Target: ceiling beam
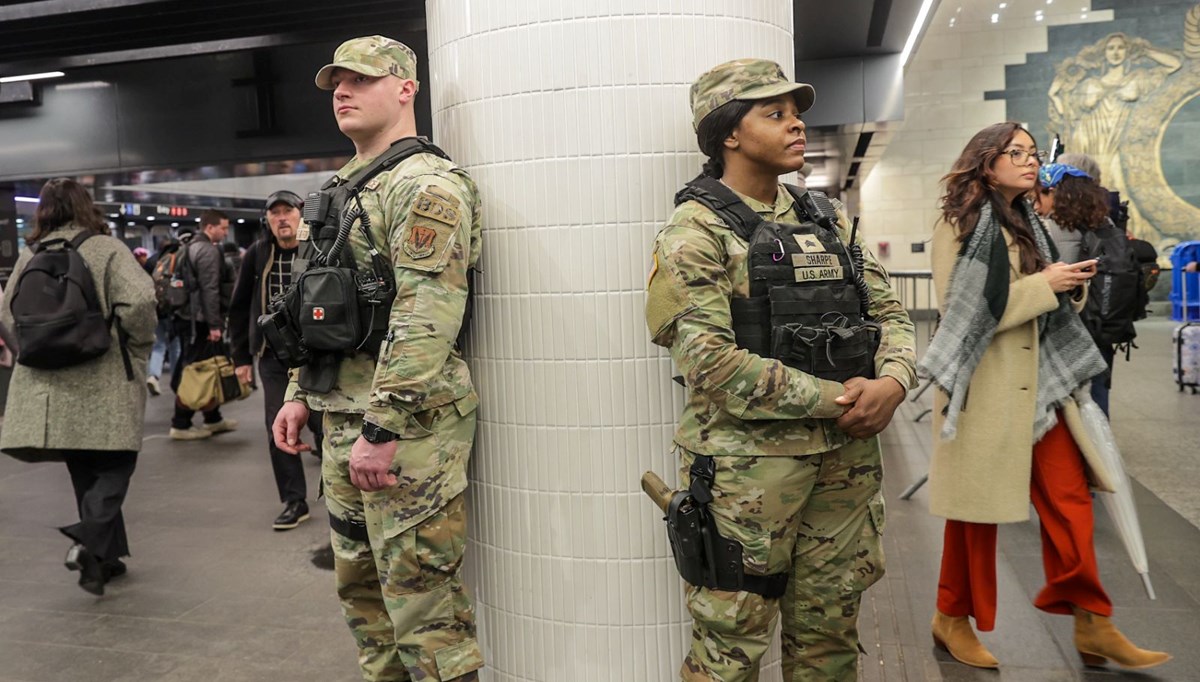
[
  {"x": 413, "y": 30},
  {"x": 46, "y": 8}
]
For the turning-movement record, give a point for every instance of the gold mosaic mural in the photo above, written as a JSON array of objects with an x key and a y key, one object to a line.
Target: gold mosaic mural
[{"x": 1114, "y": 100}]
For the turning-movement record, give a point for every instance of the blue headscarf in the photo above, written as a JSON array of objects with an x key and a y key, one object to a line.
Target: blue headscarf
[{"x": 1052, "y": 173}]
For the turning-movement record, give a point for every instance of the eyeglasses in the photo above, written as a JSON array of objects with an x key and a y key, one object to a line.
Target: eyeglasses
[{"x": 1020, "y": 157}]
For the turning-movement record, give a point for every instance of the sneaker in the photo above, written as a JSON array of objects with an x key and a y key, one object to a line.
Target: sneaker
[
  {"x": 152, "y": 385},
  {"x": 293, "y": 515},
  {"x": 190, "y": 433},
  {"x": 221, "y": 426}
]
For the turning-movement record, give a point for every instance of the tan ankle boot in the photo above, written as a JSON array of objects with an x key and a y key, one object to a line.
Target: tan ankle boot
[
  {"x": 1098, "y": 640},
  {"x": 954, "y": 635}
]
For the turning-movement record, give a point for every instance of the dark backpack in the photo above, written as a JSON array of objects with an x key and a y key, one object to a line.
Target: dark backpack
[
  {"x": 56, "y": 311},
  {"x": 1117, "y": 295},
  {"x": 172, "y": 288}
]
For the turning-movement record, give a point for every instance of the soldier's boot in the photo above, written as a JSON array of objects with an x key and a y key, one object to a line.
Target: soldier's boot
[
  {"x": 1098, "y": 640},
  {"x": 955, "y": 636}
]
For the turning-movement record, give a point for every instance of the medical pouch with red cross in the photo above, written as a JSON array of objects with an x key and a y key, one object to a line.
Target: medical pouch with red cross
[{"x": 327, "y": 310}]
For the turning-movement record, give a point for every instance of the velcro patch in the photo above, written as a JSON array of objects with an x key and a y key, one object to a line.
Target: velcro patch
[
  {"x": 438, "y": 207},
  {"x": 818, "y": 274},
  {"x": 815, "y": 260}
]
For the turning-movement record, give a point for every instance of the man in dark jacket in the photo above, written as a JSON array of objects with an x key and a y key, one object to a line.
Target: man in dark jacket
[
  {"x": 198, "y": 326},
  {"x": 265, "y": 273}
]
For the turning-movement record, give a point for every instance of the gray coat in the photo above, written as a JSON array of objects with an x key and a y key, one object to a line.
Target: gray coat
[{"x": 92, "y": 406}]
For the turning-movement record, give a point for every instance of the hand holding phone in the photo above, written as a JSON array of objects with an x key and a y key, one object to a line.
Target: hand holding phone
[{"x": 1064, "y": 277}]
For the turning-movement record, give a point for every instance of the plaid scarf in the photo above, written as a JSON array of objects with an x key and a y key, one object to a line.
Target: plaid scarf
[{"x": 978, "y": 294}]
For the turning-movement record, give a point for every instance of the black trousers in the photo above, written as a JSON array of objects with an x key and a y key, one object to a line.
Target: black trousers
[
  {"x": 289, "y": 470},
  {"x": 192, "y": 347},
  {"x": 101, "y": 480}
]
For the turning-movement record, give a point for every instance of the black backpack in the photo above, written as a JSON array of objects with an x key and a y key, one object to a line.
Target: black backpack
[
  {"x": 1117, "y": 295},
  {"x": 172, "y": 286},
  {"x": 56, "y": 311}
]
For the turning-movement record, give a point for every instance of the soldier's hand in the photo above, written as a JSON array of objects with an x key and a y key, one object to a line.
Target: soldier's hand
[
  {"x": 370, "y": 465},
  {"x": 214, "y": 334},
  {"x": 872, "y": 404},
  {"x": 286, "y": 429}
]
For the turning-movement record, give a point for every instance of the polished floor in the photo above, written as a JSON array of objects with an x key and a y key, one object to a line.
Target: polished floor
[{"x": 214, "y": 594}]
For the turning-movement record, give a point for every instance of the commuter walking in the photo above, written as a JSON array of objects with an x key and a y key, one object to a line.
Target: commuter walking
[
  {"x": 199, "y": 324},
  {"x": 398, "y": 400},
  {"x": 89, "y": 413},
  {"x": 782, "y": 440},
  {"x": 1009, "y": 353},
  {"x": 266, "y": 272}
]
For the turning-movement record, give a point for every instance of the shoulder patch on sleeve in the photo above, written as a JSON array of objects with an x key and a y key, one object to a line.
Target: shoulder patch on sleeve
[
  {"x": 435, "y": 204},
  {"x": 430, "y": 231}
]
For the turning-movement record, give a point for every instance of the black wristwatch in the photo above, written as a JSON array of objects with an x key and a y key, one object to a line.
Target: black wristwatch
[{"x": 373, "y": 433}]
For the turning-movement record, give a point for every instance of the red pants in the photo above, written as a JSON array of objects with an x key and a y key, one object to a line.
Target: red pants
[{"x": 1059, "y": 491}]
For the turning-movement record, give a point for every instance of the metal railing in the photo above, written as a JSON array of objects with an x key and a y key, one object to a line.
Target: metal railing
[{"x": 915, "y": 291}]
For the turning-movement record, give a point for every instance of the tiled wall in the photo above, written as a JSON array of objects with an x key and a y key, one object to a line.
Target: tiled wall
[
  {"x": 944, "y": 106},
  {"x": 573, "y": 118}
]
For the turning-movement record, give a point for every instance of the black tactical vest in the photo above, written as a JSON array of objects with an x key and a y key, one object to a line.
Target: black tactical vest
[
  {"x": 807, "y": 306},
  {"x": 327, "y": 271}
]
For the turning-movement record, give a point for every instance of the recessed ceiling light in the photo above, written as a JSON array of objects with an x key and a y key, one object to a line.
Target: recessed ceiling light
[
  {"x": 995, "y": 18},
  {"x": 1038, "y": 17},
  {"x": 911, "y": 42},
  {"x": 32, "y": 76},
  {"x": 1003, "y": 5}
]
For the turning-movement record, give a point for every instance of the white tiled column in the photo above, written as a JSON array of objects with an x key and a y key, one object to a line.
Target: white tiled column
[{"x": 573, "y": 118}]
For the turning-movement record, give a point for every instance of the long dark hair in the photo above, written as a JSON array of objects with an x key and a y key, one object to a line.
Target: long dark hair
[
  {"x": 968, "y": 186},
  {"x": 714, "y": 129},
  {"x": 64, "y": 202},
  {"x": 1079, "y": 203}
]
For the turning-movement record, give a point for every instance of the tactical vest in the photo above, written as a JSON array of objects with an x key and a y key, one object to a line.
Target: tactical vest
[
  {"x": 808, "y": 304},
  {"x": 327, "y": 265},
  {"x": 332, "y": 307}
]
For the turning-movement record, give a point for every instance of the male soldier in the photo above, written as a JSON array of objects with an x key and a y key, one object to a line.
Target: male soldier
[
  {"x": 399, "y": 425},
  {"x": 198, "y": 325},
  {"x": 266, "y": 272},
  {"x": 749, "y": 285}
]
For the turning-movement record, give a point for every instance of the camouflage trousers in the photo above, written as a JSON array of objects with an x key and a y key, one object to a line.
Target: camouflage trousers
[
  {"x": 401, "y": 590},
  {"x": 818, "y": 518}
]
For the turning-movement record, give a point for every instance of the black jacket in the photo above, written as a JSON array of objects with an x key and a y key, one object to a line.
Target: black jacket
[{"x": 249, "y": 301}]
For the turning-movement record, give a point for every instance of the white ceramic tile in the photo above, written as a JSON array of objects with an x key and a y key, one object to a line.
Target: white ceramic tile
[{"x": 576, "y": 159}]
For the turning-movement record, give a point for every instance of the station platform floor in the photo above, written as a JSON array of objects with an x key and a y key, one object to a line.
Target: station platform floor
[{"x": 213, "y": 594}]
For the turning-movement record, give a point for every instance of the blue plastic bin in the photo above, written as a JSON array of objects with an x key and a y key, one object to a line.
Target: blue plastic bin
[{"x": 1185, "y": 253}]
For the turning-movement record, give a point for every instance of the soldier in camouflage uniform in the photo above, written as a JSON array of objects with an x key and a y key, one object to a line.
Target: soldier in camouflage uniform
[
  {"x": 399, "y": 426},
  {"x": 798, "y": 469}
]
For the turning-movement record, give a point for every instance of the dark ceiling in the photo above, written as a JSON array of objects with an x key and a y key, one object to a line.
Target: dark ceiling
[
  {"x": 61, "y": 34},
  {"x": 834, "y": 29}
]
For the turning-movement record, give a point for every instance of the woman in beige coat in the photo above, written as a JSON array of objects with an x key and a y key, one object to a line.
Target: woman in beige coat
[
  {"x": 1009, "y": 353},
  {"x": 87, "y": 415}
]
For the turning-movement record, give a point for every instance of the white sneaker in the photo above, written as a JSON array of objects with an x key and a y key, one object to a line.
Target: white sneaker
[
  {"x": 221, "y": 426},
  {"x": 190, "y": 433},
  {"x": 152, "y": 385}
]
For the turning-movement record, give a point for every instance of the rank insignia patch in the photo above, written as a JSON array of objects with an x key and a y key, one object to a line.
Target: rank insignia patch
[{"x": 809, "y": 244}]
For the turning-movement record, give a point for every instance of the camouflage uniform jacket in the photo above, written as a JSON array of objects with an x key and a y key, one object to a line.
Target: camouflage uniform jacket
[
  {"x": 426, "y": 211},
  {"x": 739, "y": 403}
]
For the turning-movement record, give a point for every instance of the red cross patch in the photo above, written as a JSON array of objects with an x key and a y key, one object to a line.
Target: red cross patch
[{"x": 318, "y": 313}]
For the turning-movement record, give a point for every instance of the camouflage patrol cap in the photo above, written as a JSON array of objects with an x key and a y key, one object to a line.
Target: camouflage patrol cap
[
  {"x": 744, "y": 79},
  {"x": 370, "y": 56}
]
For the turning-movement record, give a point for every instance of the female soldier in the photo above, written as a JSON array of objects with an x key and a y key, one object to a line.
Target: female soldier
[
  {"x": 789, "y": 459},
  {"x": 1010, "y": 339},
  {"x": 87, "y": 415}
]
